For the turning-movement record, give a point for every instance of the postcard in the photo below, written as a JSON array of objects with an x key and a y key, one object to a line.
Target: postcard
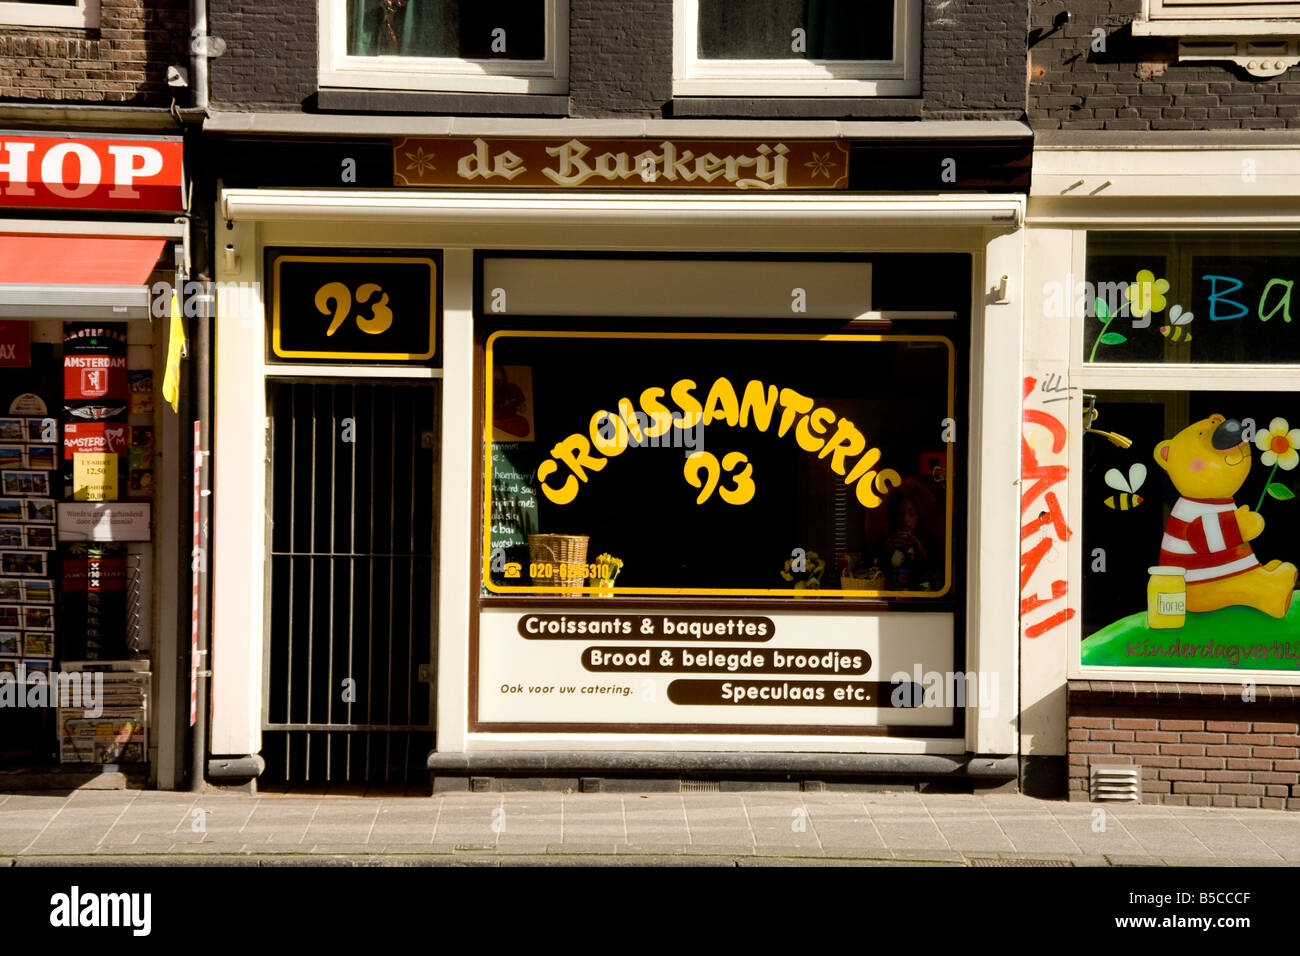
[
  {"x": 42, "y": 457},
  {"x": 38, "y": 617},
  {"x": 40, "y": 510},
  {"x": 23, "y": 563},
  {"x": 25, "y": 483},
  {"x": 35, "y": 590},
  {"x": 38, "y": 536}
]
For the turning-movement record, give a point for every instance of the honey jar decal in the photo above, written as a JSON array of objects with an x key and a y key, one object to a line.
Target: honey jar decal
[{"x": 1167, "y": 597}]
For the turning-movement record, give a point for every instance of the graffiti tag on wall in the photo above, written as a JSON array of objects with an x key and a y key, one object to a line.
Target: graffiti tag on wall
[{"x": 1043, "y": 468}]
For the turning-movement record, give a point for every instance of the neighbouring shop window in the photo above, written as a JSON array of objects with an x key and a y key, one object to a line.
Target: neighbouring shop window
[
  {"x": 722, "y": 464},
  {"x": 1188, "y": 298},
  {"x": 1190, "y": 491},
  {"x": 507, "y": 29},
  {"x": 1191, "y": 535},
  {"x": 76, "y": 483},
  {"x": 797, "y": 47}
]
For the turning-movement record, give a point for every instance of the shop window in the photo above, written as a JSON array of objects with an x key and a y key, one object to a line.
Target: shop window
[
  {"x": 517, "y": 46},
  {"x": 50, "y": 13},
  {"x": 1189, "y": 299},
  {"x": 797, "y": 48},
  {"x": 1190, "y": 490},
  {"x": 728, "y": 464}
]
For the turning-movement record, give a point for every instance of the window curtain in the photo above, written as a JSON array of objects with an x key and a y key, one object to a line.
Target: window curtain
[
  {"x": 838, "y": 30},
  {"x": 761, "y": 29},
  {"x": 398, "y": 28}
]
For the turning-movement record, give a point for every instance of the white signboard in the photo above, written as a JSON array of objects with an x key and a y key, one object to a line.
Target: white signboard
[
  {"x": 622, "y": 671},
  {"x": 104, "y": 521}
]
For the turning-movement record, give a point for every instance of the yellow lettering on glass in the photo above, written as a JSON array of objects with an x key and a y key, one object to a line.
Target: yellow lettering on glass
[
  {"x": 696, "y": 462},
  {"x": 817, "y": 430}
]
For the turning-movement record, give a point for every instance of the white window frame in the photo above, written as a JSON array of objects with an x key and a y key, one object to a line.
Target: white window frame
[
  {"x": 442, "y": 74},
  {"x": 1093, "y": 377},
  {"x": 1220, "y": 9},
  {"x": 84, "y": 15},
  {"x": 693, "y": 76}
]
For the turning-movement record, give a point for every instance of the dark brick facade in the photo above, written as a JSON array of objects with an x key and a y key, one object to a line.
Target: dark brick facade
[
  {"x": 123, "y": 61},
  {"x": 1137, "y": 83},
  {"x": 270, "y": 58},
  {"x": 620, "y": 65},
  {"x": 1198, "y": 745}
]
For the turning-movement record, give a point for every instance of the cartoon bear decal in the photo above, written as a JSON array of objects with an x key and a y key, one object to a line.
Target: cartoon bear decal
[{"x": 1207, "y": 533}]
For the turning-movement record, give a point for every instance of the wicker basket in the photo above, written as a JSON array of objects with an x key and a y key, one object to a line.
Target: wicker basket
[
  {"x": 565, "y": 553},
  {"x": 849, "y": 582}
]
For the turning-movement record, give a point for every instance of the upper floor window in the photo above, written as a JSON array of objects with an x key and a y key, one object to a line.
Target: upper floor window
[
  {"x": 50, "y": 13},
  {"x": 1222, "y": 9},
  {"x": 509, "y": 46},
  {"x": 797, "y": 48}
]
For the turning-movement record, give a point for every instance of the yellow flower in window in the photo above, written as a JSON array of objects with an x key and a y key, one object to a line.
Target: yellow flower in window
[
  {"x": 1147, "y": 294},
  {"x": 1278, "y": 445}
]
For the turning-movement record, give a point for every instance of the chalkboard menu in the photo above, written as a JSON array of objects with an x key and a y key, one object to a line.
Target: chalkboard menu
[{"x": 514, "y": 505}]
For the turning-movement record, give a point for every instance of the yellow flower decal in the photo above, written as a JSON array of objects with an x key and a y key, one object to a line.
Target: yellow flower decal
[
  {"x": 1278, "y": 445},
  {"x": 1147, "y": 294}
]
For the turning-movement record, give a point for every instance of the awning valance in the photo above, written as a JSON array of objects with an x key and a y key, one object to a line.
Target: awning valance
[{"x": 76, "y": 277}]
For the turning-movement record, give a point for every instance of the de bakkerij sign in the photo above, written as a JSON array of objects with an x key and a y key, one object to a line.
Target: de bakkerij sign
[
  {"x": 592, "y": 163},
  {"x": 88, "y": 172}
]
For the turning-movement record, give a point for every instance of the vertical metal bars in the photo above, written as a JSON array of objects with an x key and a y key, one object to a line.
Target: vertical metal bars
[{"x": 340, "y": 664}]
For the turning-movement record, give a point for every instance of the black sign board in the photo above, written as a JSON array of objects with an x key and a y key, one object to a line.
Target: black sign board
[{"x": 373, "y": 306}]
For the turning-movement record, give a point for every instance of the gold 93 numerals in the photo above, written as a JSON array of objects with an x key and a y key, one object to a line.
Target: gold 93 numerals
[
  {"x": 702, "y": 470},
  {"x": 336, "y": 297}
]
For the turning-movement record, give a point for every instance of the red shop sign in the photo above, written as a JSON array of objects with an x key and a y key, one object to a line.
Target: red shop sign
[
  {"x": 68, "y": 173},
  {"x": 15, "y": 345}
]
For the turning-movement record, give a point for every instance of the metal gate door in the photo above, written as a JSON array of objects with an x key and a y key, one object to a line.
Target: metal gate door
[{"x": 350, "y": 583}]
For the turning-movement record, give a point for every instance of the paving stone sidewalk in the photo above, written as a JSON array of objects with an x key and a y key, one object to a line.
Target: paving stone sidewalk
[{"x": 835, "y": 827}]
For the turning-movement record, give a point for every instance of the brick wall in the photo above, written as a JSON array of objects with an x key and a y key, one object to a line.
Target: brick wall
[
  {"x": 973, "y": 59},
  {"x": 270, "y": 58},
  {"x": 1137, "y": 83},
  {"x": 124, "y": 61},
  {"x": 1209, "y": 749},
  {"x": 620, "y": 64}
]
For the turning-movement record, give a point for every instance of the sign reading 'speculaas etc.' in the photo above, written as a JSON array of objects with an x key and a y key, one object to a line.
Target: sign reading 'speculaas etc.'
[{"x": 591, "y": 163}]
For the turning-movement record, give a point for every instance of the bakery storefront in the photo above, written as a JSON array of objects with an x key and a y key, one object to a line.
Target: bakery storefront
[
  {"x": 619, "y": 459},
  {"x": 93, "y": 239}
]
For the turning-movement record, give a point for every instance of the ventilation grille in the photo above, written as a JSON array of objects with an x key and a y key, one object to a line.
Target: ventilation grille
[
  {"x": 988, "y": 861},
  {"x": 698, "y": 786},
  {"x": 1113, "y": 784}
]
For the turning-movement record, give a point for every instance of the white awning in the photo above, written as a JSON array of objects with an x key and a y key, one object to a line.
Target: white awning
[{"x": 506, "y": 209}]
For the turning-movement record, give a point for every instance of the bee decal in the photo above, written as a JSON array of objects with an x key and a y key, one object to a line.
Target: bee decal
[
  {"x": 1128, "y": 498},
  {"x": 1178, "y": 329}
]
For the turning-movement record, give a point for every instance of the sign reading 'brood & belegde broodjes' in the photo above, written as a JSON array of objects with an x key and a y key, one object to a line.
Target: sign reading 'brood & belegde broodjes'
[{"x": 598, "y": 163}]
